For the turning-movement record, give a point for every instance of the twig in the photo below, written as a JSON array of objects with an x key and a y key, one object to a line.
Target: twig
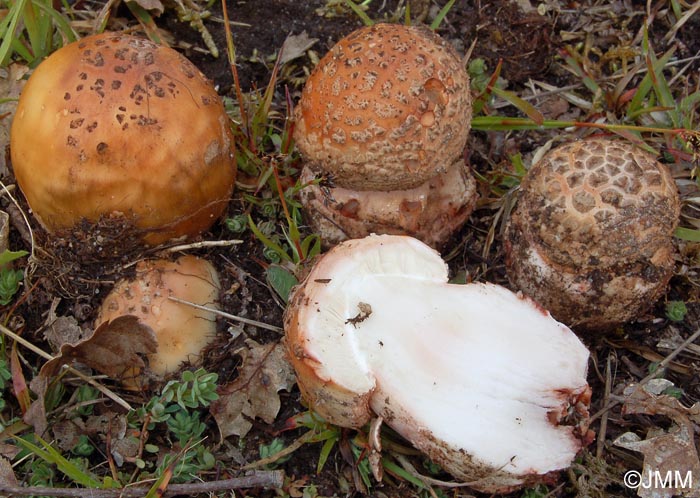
[
  {"x": 228, "y": 315},
  {"x": 259, "y": 479},
  {"x": 600, "y": 444},
  {"x": 662, "y": 365},
  {"x": 107, "y": 392},
  {"x": 202, "y": 244}
]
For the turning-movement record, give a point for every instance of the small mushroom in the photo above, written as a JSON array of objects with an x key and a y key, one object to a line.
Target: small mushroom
[
  {"x": 388, "y": 109},
  {"x": 117, "y": 125},
  {"x": 430, "y": 212},
  {"x": 182, "y": 331},
  {"x": 591, "y": 238},
  {"x": 481, "y": 379}
]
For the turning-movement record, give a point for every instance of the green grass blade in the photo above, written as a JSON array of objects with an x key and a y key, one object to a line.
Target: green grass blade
[
  {"x": 689, "y": 234},
  {"x": 499, "y": 123},
  {"x": 521, "y": 104},
  {"x": 398, "y": 471},
  {"x": 646, "y": 85},
  {"x": 146, "y": 20},
  {"x": 579, "y": 71},
  {"x": 360, "y": 13},
  {"x": 325, "y": 453},
  {"x": 60, "y": 21},
  {"x": 8, "y": 34},
  {"x": 267, "y": 241},
  {"x": 441, "y": 15},
  {"x": 50, "y": 455}
]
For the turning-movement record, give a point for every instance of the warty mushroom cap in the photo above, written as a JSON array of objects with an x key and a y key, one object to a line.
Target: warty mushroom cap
[
  {"x": 477, "y": 377},
  {"x": 386, "y": 109},
  {"x": 182, "y": 331},
  {"x": 431, "y": 212},
  {"x": 117, "y": 124},
  {"x": 591, "y": 237}
]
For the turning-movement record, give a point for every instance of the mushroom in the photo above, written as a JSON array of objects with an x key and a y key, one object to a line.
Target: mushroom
[
  {"x": 591, "y": 238},
  {"x": 182, "y": 331},
  {"x": 117, "y": 125},
  {"x": 388, "y": 109},
  {"x": 481, "y": 379},
  {"x": 430, "y": 212}
]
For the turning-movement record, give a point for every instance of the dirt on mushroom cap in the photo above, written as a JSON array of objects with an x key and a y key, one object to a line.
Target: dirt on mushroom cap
[{"x": 386, "y": 109}]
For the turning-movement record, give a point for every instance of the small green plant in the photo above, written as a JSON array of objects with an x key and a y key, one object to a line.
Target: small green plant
[
  {"x": 676, "y": 311},
  {"x": 272, "y": 448},
  {"x": 538, "y": 492},
  {"x": 178, "y": 408},
  {"x": 10, "y": 278},
  {"x": 185, "y": 426},
  {"x": 194, "y": 390}
]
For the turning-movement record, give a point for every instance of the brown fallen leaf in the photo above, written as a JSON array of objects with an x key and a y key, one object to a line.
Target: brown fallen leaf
[
  {"x": 11, "y": 83},
  {"x": 7, "y": 475},
  {"x": 114, "y": 349},
  {"x": 295, "y": 46},
  {"x": 155, "y": 7},
  {"x": 671, "y": 465},
  {"x": 254, "y": 394}
]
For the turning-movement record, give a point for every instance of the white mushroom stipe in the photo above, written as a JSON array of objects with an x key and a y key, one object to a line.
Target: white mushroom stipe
[{"x": 481, "y": 379}]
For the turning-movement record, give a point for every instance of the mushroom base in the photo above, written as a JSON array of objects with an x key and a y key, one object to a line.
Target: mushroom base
[
  {"x": 592, "y": 298},
  {"x": 431, "y": 212}
]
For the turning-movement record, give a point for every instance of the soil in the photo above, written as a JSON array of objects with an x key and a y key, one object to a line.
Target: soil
[{"x": 529, "y": 46}]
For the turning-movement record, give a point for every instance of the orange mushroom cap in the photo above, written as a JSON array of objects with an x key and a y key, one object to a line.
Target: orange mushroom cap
[
  {"x": 114, "y": 124},
  {"x": 181, "y": 330},
  {"x": 386, "y": 109}
]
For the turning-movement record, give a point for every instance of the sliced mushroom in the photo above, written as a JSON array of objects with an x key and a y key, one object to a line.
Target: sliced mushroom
[{"x": 482, "y": 380}]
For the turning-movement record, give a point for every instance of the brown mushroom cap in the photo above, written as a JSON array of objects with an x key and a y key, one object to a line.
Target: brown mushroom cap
[
  {"x": 430, "y": 212},
  {"x": 386, "y": 109},
  {"x": 117, "y": 124},
  {"x": 591, "y": 238},
  {"x": 182, "y": 331}
]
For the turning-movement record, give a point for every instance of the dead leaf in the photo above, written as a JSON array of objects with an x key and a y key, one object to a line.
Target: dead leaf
[
  {"x": 63, "y": 330},
  {"x": 254, "y": 394},
  {"x": 7, "y": 475},
  {"x": 36, "y": 414},
  {"x": 296, "y": 46},
  {"x": 11, "y": 83},
  {"x": 114, "y": 349},
  {"x": 67, "y": 432},
  {"x": 669, "y": 456},
  {"x": 155, "y": 7}
]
